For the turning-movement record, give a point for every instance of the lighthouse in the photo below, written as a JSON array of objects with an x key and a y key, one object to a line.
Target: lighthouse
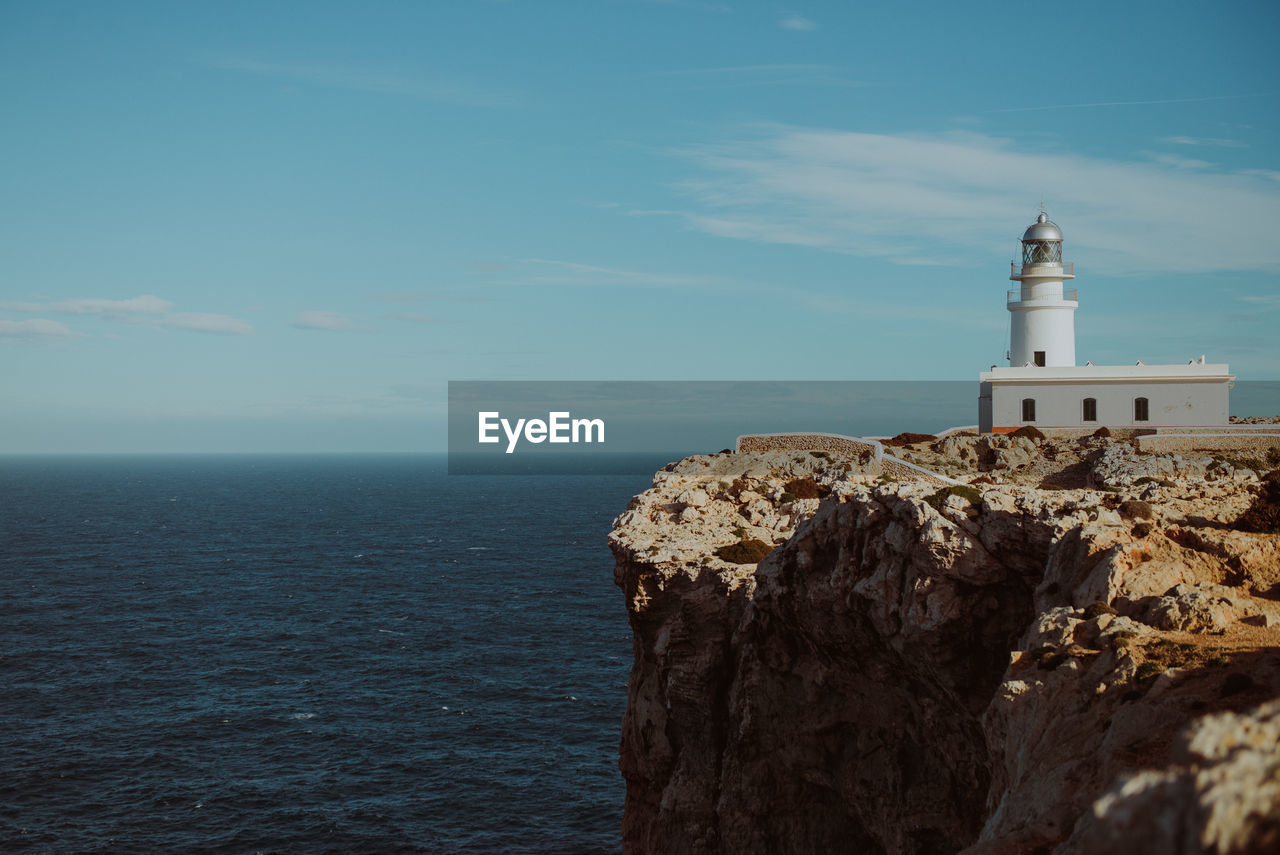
[
  {"x": 1042, "y": 315},
  {"x": 1042, "y": 385}
]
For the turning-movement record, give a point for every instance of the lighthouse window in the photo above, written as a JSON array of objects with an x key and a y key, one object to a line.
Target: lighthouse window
[
  {"x": 1039, "y": 358},
  {"x": 1140, "y": 409},
  {"x": 1090, "y": 409},
  {"x": 1041, "y": 252},
  {"x": 1028, "y": 409}
]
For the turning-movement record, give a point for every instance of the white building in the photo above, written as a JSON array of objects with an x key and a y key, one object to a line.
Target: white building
[{"x": 1044, "y": 387}]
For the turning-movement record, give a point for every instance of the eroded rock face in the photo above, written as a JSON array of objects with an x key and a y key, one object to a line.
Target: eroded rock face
[
  {"x": 1220, "y": 795},
  {"x": 910, "y": 676}
]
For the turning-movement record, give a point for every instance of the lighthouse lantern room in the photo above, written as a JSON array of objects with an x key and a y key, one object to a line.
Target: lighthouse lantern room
[{"x": 1042, "y": 322}]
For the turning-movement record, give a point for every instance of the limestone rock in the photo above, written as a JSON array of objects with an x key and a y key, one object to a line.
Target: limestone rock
[
  {"x": 1221, "y": 796},
  {"x": 909, "y": 676}
]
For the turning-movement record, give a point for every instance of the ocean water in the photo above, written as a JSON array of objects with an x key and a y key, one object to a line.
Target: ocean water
[{"x": 306, "y": 655}]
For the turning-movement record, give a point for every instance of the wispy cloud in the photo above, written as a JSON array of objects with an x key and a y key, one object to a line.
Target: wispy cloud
[
  {"x": 768, "y": 68},
  {"x": 1263, "y": 301},
  {"x": 769, "y": 74},
  {"x": 209, "y": 323},
  {"x": 796, "y": 22},
  {"x": 950, "y": 196},
  {"x": 588, "y": 275},
  {"x": 145, "y": 309},
  {"x": 427, "y": 87},
  {"x": 411, "y": 317},
  {"x": 144, "y": 304},
  {"x": 1269, "y": 174},
  {"x": 313, "y": 319},
  {"x": 35, "y": 328},
  {"x": 692, "y": 4},
  {"x": 426, "y": 296},
  {"x": 1209, "y": 141},
  {"x": 1124, "y": 103},
  {"x": 1177, "y": 161}
]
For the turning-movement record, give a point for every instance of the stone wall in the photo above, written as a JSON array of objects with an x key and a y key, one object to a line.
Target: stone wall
[
  {"x": 842, "y": 446},
  {"x": 1179, "y": 443}
]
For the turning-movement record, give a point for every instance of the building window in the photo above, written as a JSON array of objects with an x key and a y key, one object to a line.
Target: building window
[
  {"x": 1090, "y": 409},
  {"x": 1039, "y": 358},
  {"x": 1140, "y": 410},
  {"x": 1028, "y": 409}
]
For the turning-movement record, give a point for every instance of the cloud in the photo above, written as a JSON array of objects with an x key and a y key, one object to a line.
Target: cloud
[
  {"x": 412, "y": 317},
  {"x": 692, "y": 4},
  {"x": 956, "y": 198},
  {"x": 1123, "y": 103},
  {"x": 1177, "y": 161},
  {"x": 1269, "y": 174},
  {"x": 35, "y": 328},
  {"x": 330, "y": 321},
  {"x": 202, "y": 322},
  {"x": 769, "y": 68},
  {"x": 795, "y": 22},
  {"x": 145, "y": 309},
  {"x": 426, "y": 296},
  {"x": 1263, "y": 301},
  {"x": 1212, "y": 141},
  {"x": 575, "y": 273},
  {"x": 770, "y": 74},
  {"x": 145, "y": 304},
  {"x": 437, "y": 88}
]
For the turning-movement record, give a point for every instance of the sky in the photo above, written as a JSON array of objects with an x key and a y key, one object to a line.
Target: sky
[{"x": 286, "y": 227}]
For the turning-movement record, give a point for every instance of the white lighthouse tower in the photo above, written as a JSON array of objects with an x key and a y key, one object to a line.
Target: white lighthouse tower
[
  {"x": 1042, "y": 323},
  {"x": 1044, "y": 387}
]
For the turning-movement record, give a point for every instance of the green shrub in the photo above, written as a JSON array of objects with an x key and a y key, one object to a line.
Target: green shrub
[
  {"x": 1122, "y": 639},
  {"x": 806, "y": 488},
  {"x": 1029, "y": 432},
  {"x": 1149, "y": 669},
  {"x": 1098, "y": 609},
  {"x": 744, "y": 552},
  {"x": 1264, "y": 514},
  {"x": 818, "y": 454},
  {"x": 787, "y": 497},
  {"x": 1135, "y": 509},
  {"x": 971, "y": 494},
  {"x": 1052, "y": 660},
  {"x": 909, "y": 439}
]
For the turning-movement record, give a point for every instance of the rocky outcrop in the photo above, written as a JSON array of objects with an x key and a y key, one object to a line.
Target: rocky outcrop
[{"x": 914, "y": 669}]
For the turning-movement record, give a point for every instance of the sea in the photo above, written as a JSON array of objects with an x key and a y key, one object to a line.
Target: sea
[{"x": 308, "y": 654}]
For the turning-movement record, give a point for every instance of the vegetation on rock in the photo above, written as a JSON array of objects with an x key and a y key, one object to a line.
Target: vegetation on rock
[
  {"x": 1264, "y": 514},
  {"x": 971, "y": 494},
  {"x": 806, "y": 488},
  {"x": 909, "y": 439},
  {"x": 744, "y": 552}
]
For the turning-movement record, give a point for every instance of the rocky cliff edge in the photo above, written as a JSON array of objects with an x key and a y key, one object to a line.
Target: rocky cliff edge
[{"x": 994, "y": 669}]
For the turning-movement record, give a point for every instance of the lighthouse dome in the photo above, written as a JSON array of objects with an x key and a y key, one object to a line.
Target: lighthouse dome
[{"x": 1042, "y": 229}]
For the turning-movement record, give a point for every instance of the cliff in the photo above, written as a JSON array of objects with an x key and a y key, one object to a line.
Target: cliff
[{"x": 918, "y": 670}]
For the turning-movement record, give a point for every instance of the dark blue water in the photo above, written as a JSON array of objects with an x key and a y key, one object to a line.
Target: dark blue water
[{"x": 312, "y": 654}]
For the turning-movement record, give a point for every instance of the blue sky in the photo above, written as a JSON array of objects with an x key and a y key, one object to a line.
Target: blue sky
[{"x": 265, "y": 227}]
